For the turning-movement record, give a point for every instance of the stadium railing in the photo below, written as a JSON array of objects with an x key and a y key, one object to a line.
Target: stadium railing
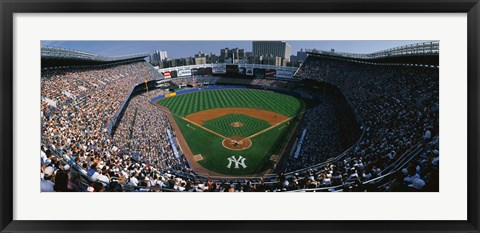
[
  {"x": 399, "y": 164},
  {"x": 55, "y": 52},
  {"x": 114, "y": 121},
  {"x": 330, "y": 160},
  {"x": 424, "y": 48},
  {"x": 274, "y": 176},
  {"x": 346, "y": 58}
]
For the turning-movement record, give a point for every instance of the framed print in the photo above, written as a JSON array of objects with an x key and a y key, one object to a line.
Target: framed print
[{"x": 248, "y": 116}]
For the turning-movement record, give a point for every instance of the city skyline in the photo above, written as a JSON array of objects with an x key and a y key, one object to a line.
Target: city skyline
[{"x": 181, "y": 49}]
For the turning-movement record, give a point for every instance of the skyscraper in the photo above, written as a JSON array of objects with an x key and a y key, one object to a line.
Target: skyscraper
[
  {"x": 302, "y": 55},
  {"x": 272, "y": 48},
  {"x": 163, "y": 55},
  {"x": 200, "y": 58},
  {"x": 223, "y": 54},
  {"x": 236, "y": 53},
  {"x": 158, "y": 56}
]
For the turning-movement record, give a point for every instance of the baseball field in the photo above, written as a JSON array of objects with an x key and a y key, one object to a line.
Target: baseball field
[{"x": 233, "y": 132}]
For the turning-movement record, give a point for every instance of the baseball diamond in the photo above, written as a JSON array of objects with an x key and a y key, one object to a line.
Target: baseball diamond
[
  {"x": 222, "y": 125},
  {"x": 277, "y": 118},
  {"x": 264, "y": 120},
  {"x": 250, "y": 125}
]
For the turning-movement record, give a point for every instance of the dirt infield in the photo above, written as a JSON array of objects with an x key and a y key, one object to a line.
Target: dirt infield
[
  {"x": 237, "y": 143},
  {"x": 200, "y": 117},
  {"x": 186, "y": 150},
  {"x": 271, "y": 117},
  {"x": 236, "y": 124}
]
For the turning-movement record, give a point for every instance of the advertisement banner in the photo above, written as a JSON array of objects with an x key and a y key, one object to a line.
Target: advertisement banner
[
  {"x": 173, "y": 74},
  {"x": 232, "y": 69},
  {"x": 259, "y": 73},
  {"x": 284, "y": 74},
  {"x": 270, "y": 73},
  {"x": 182, "y": 73},
  {"x": 166, "y": 74},
  {"x": 172, "y": 144},
  {"x": 194, "y": 71},
  {"x": 208, "y": 71},
  {"x": 219, "y": 69},
  {"x": 170, "y": 94},
  {"x": 205, "y": 71},
  {"x": 249, "y": 71},
  {"x": 242, "y": 70},
  {"x": 299, "y": 146}
]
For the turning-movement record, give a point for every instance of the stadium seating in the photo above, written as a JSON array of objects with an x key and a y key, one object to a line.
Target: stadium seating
[{"x": 395, "y": 147}]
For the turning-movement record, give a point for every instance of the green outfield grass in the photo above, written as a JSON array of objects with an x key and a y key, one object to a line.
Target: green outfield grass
[
  {"x": 222, "y": 125},
  {"x": 215, "y": 156},
  {"x": 184, "y": 105}
]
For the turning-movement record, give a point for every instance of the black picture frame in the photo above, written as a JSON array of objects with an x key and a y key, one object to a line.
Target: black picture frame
[{"x": 9, "y": 7}]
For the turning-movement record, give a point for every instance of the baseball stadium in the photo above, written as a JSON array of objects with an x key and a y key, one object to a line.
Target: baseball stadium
[{"x": 333, "y": 122}]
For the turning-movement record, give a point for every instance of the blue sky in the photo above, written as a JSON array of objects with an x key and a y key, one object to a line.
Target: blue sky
[{"x": 178, "y": 49}]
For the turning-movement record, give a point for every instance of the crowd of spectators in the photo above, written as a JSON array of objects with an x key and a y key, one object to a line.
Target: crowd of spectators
[
  {"x": 397, "y": 105},
  {"x": 322, "y": 138},
  {"x": 81, "y": 104},
  {"x": 270, "y": 83},
  {"x": 142, "y": 132},
  {"x": 195, "y": 81},
  {"x": 152, "y": 93}
]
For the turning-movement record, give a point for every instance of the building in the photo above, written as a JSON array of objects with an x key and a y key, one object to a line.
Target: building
[
  {"x": 272, "y": 49},
  {"x": 163, "y": 55},
  {"x": 223, "y": 54},
  {"x": 232, "y": 55},
  {"x": 200, "y": 58},
  {"x": 237, "y": 53},
  {"x": 213, "y": 58},
  {"x": 158, "y": 57},
  {"x": 293, "y": 58},
  {"x": 242, "y": 53},
  {"x": 170, "y": 63},
  {"x": 255, "y": 60},
  {"x": 301, "y": 55},
  {"x": 274, "y": 61}
]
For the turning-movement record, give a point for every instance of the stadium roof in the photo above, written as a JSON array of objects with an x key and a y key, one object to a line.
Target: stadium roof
[
  {"x": 419, "y": 53},
  {"x": 56, "y": 57}
]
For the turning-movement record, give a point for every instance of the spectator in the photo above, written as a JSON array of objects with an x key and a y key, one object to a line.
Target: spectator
[{"x": 46, "y": 184}]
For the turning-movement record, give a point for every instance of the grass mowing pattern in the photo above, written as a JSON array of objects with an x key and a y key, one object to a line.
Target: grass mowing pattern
[
  {"x": 222, "y": 126},
  {"x": 184, "y": 105},
  {"x": 215, "y": 156}
]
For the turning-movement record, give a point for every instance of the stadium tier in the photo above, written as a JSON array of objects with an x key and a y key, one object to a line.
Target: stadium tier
[
  {"x": 60, "y": 57},
  {"x": 343, "y": 122}
]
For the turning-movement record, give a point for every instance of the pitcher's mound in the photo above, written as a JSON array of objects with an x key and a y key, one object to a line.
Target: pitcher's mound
[
  {"x": 236, "y": 124},
  {"x": 237, "y": 143}
]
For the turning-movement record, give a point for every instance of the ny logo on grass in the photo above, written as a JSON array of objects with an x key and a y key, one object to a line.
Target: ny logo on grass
[{"x": 240, "y": 161}]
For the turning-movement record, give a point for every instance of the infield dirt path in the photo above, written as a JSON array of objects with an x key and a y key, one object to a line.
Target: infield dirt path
[
  {"x": 199, "y": 118},
  {"x": 186, "y": 150},
  {"x": 271, "y": 117}
]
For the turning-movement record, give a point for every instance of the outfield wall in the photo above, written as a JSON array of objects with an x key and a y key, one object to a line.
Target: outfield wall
[
  {"x": 247, "y": 70},
  {"x": 140, "y": 88},
  {"x": 209, "y": 88}
]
